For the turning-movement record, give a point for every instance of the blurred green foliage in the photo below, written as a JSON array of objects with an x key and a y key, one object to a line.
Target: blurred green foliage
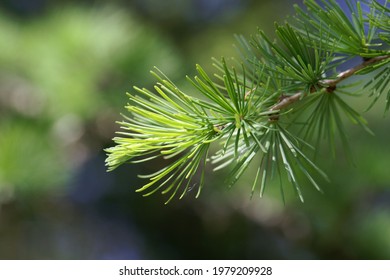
[{"x": 58, "y": 74}]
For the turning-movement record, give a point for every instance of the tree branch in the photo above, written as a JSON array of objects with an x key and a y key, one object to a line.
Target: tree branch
[
  {"x": 350, "y": 72},
  {"x": 286, "y": 100},
  {"x": 329, "y": 84}
]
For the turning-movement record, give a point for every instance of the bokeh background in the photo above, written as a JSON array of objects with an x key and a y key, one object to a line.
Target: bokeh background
[{"x": 65, "y": 67}]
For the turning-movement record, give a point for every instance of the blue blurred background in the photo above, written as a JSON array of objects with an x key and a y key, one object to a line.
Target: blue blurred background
[{"x": 64, "y": 69}]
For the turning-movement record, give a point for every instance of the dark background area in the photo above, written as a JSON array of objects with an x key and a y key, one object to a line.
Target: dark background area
[{"x": 64, "y": 69}]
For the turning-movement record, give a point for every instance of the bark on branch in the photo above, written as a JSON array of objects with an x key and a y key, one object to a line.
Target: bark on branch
[{"x": 329, "y": 84}]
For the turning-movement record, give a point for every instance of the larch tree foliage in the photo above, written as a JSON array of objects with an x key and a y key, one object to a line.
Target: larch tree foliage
[{"x": 274, "y": 105}]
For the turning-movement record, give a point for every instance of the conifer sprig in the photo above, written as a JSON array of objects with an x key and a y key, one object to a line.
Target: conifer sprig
[{"x": 250, "y": 111}]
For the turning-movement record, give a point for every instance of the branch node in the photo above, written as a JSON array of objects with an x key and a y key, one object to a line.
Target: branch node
[{"x": 331, "y": 88}]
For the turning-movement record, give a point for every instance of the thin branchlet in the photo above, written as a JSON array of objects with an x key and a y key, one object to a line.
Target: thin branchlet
[
  {"x": 352, "y": 71},
  {"x": 329, "y": 85}
]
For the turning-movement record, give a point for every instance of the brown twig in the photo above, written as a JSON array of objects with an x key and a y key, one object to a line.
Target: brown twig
[
  {"x": 329, "y": 85},
  {"x": 286, "y": 100},
  {"x": 350, "y": 72}
]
